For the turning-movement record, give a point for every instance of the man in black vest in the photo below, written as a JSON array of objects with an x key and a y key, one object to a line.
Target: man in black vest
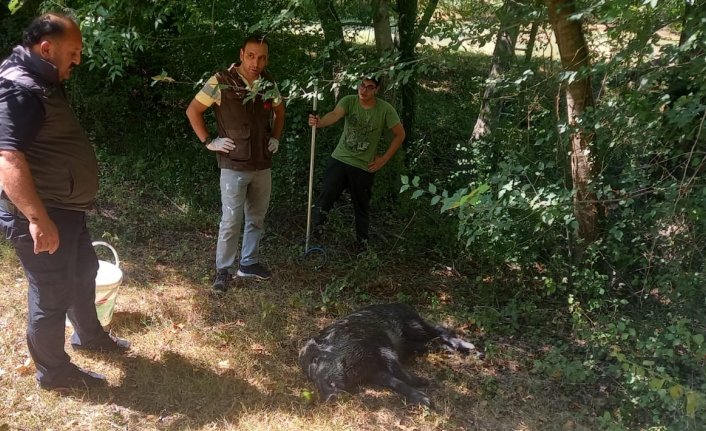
[
  {"x": 49, "y": 179},
  {"x": 249, "y": 118}
]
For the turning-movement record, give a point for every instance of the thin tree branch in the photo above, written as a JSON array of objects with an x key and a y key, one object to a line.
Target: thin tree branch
[{"x": 424, "y": 22}]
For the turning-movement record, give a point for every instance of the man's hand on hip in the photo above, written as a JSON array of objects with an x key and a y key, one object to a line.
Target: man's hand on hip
[
  {"x": 376, "y": 164},
  {"x": 221, "y": 144}
]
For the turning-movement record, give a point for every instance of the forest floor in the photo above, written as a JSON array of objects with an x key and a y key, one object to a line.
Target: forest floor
[{"x": 223, "y": 362}]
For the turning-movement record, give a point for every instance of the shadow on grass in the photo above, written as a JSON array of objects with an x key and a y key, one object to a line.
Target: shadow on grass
[{"x": 177, "y": 391}]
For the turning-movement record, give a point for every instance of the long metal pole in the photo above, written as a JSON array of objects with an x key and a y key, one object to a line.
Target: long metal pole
[{"x": 311, "y": 171}]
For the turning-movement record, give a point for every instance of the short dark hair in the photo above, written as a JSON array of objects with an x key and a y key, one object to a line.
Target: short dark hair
[
  {"x": 47, "y": 25},
  {"x": 373, "y": 78},
  {"x": 255, "y": 38}
]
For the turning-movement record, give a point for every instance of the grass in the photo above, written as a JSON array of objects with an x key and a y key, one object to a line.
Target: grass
[{"x": 206, "y": 362}]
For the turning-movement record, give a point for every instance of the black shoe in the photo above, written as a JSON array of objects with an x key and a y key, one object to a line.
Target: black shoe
[
  {"x": 220, "y": 284},
  {"x": 317, "y": 232},
  {"x": 109, "y": 343},
  {"x": 75, "y": 378},
  {"x": 256, "y": 270},
  {"x": 361, "y": 246}
]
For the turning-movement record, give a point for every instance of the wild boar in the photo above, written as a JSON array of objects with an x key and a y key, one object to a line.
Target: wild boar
[{"x": 368, "y": 347}]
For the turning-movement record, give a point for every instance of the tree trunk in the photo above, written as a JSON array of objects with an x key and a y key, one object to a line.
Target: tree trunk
[
  {"x": 332, "y": 27},
  {"x": 503, "y": 57},
  {"x": 381, "y": 24},
  {"x": 531, "y": 41},
  {"x": 384, "y": 42},
  {"x": 691, "y": 19},
  {"x": 574, "y": 56},
  {"x": 410, "y": 33},
  {"x": 407, "y": 10}
]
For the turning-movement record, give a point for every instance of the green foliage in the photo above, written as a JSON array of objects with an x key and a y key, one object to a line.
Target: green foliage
[
  {"x": 352, "y": 283},
  {"x": 564, "y": 366},
  {"x": 14, "y": 5},
  {"x": 512, "y": 205},
  {"x": 626, "y": 313}
]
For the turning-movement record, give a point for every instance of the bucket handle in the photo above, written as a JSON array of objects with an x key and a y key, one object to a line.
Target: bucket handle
[{"x": 115, "y": 253}]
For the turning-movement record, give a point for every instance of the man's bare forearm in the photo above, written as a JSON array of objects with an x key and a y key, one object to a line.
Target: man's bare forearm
[{"x": 18, "y": 185}]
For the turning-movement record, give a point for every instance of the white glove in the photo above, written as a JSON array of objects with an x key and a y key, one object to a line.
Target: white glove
[
  {"x": 221, "y": 144},
  {"x": 273, "y": 145}
]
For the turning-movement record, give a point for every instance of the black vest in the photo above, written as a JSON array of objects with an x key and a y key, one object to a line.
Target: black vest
[{"x": 61, "y": 158}]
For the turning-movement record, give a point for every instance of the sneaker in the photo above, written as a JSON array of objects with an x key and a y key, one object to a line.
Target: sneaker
[
  {"x": 361, "y": 246},
  {"x": 107, "y": 344},
  {"x": 221, "y": 283},
  {"x": 317, "y": 232},
  {"x": 74, "y": 378},
  {"x": 256, "y": 270}
]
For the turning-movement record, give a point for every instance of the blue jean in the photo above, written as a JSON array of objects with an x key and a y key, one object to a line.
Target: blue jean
[
  {"x": 60, "y": 284},
  {"x": 244, "y": 194}
]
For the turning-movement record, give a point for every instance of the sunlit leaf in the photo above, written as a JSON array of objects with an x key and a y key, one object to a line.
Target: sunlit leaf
[
  {"x": 308, "y": 396},
  {"x": 656, "y": 383},
  {"x": 676, "y": 391},
  {"x": 692, "y": 402},
  {"x": 15, "y": 5}
]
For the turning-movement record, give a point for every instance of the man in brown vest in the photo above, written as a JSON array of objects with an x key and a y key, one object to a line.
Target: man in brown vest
[{"x": 249, "y": 129}]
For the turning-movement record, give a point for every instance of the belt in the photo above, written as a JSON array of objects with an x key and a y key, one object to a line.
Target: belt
[{"x": 10, "y": 208}]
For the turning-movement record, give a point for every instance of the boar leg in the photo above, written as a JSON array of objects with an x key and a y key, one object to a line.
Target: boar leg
[
  {"x": 392, "y": 363},
  {"x": 397, "y": 371},
  {"x": 412, "y": 395}
]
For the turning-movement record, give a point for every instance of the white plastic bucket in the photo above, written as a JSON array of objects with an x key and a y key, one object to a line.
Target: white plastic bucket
[{"x": 108, "y": 282}]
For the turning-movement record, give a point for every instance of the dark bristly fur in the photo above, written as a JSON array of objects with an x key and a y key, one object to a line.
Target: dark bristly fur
[{"x": 368, "y": 346}]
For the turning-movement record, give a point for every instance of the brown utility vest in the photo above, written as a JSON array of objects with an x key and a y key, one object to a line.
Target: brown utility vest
[{"x": 246, "y": 123}]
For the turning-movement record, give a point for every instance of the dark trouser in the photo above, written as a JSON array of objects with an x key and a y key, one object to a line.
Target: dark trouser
[
  {"x": 60, "y": 284},
  {"x": 338, "y": 177}
]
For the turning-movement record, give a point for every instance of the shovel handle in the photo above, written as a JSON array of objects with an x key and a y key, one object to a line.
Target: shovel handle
[{"x": 311, "y": 170}]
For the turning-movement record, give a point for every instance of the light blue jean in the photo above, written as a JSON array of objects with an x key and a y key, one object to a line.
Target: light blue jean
[{"x": 243, "y": 193}]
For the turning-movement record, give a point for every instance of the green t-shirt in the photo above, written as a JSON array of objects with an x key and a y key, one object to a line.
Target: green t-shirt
[{"x": 362, "y": 130}]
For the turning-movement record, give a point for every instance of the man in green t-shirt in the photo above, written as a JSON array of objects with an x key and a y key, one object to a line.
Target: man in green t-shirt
[{"x": 355, "y": 160}]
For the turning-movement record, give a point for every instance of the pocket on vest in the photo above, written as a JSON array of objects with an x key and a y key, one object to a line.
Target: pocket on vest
[{"x": 241, "y": 139}]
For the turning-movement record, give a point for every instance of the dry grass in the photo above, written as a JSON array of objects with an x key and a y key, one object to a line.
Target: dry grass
[{"x": 206, "y": 362}]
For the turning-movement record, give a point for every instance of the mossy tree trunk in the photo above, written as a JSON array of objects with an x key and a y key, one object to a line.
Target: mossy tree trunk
[{"x": 573, "y": 51}]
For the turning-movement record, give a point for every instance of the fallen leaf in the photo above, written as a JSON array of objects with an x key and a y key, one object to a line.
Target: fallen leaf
[
  {"x": 26, "y": 368},
  {"x": 307, "y": 395},
  {"x": 259, "y": 348}
]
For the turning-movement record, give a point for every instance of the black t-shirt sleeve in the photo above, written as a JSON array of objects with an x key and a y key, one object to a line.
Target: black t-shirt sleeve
[{"x": 21, "y": 117}]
